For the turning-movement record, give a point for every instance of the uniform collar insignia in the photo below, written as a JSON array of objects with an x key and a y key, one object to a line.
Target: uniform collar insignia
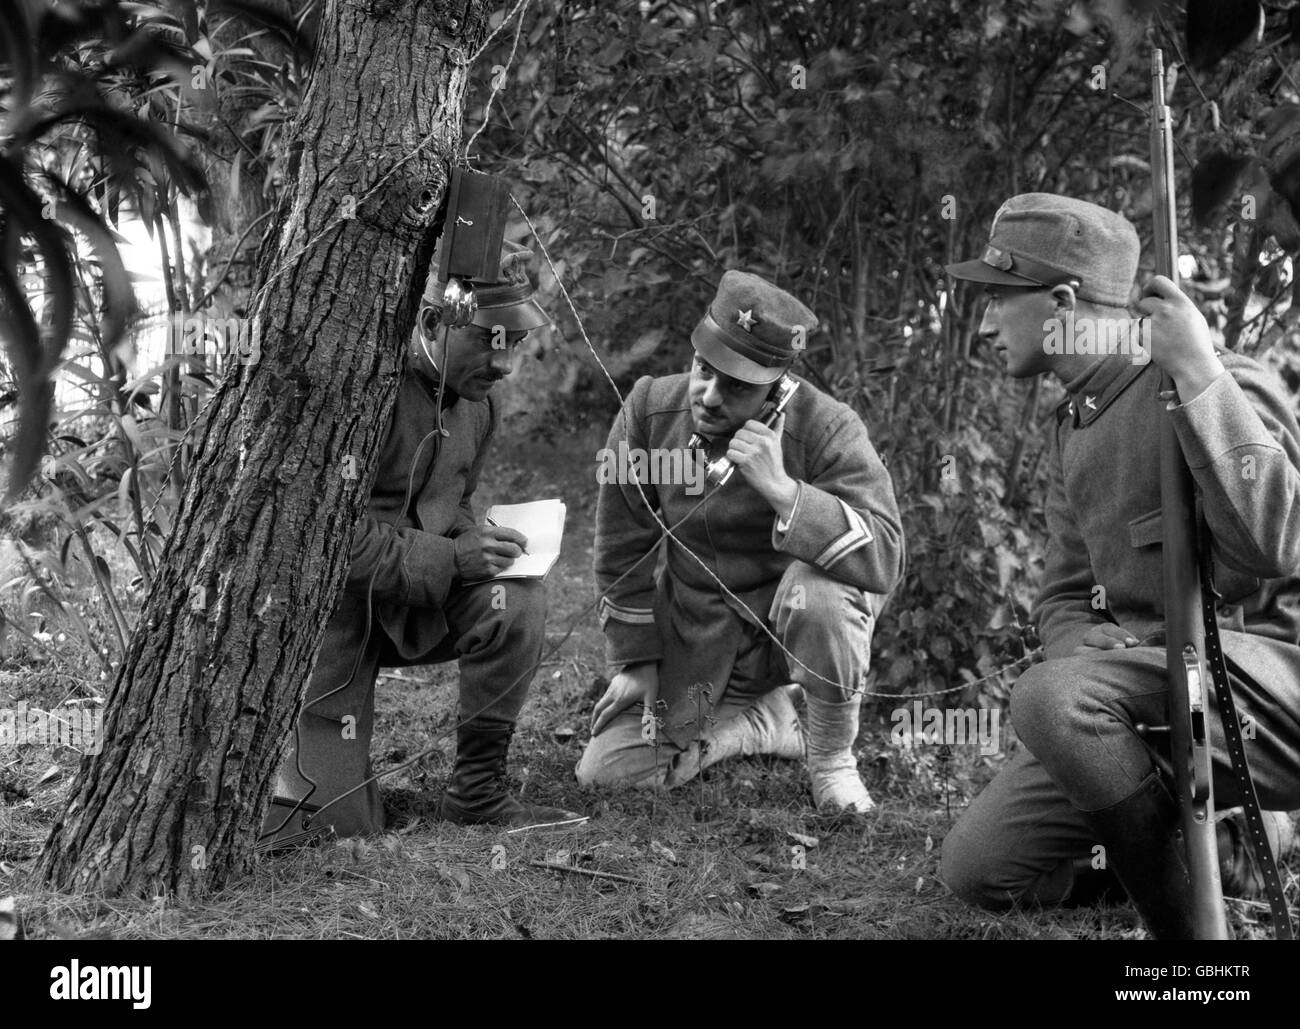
[{"x": 1092, "y": 392}]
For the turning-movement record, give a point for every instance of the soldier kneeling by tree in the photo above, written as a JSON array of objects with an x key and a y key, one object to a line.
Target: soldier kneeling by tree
[{"x": 415, "y": 592}]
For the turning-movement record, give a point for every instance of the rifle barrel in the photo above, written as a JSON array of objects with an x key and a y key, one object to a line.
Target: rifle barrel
[{"x": 1185, "y": 633}]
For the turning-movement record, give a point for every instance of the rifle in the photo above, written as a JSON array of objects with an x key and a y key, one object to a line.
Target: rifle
[{"x": 1181, "y": 549}]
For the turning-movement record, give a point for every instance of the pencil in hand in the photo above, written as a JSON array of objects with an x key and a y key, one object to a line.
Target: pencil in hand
[{"x": 492, "y": 522}]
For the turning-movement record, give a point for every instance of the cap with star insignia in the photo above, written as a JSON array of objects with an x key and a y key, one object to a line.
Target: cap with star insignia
[{"x": 752, "y": 330}]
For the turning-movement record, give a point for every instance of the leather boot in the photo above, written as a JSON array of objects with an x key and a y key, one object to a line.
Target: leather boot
[
  {"x": 1092, "y": 886},
  {"x": 1142, "y": 849},
  {"x": 476, "y": 792},
  {"x": 1238, "y": 870},
  {"x": 288, "y": 825}
]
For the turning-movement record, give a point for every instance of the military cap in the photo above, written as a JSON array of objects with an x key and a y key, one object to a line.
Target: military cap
[
  {"x": 752, "y": 330},
  {"x": 507, "y": 301},
  {"x": 1041, "y": 239}
]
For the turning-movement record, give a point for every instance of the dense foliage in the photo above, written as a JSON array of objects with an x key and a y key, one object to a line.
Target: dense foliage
[
  {"x": 112, "y": 112},
  {"x": 846, "y": 150}
]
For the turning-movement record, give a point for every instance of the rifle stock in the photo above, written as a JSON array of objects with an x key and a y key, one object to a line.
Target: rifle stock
[{"x": 1185, "y": 633}]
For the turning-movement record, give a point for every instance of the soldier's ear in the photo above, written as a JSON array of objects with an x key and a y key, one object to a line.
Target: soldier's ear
[
  {"x": 427, "y": 321},
  {"x": 1064, "y": 297}
]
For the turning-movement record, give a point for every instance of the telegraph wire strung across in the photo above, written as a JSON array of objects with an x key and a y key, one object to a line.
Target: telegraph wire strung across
[{"x": 667, "y": 532}]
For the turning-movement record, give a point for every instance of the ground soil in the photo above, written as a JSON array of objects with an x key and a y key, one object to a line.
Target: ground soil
[{"x": 739, "y": 853}]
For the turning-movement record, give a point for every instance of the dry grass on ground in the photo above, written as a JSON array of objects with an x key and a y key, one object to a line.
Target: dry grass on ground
[{"x": 712, "y": 860}]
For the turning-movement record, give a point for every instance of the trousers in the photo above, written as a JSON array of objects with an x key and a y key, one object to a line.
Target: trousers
[
  {"x": 826, "y": 624},
  {"x": 495, "y": 633},
  {"x": 1017, "y": 841}
]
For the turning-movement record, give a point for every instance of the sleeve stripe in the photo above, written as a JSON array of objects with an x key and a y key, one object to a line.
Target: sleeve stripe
[
  {"x": 856, "y": 519},
  {"x": 835, "y": 559},
  {"x": 851, "y": 540},
  {"x": 630, "y": 615},
  {"x": 857, "y": 537}
]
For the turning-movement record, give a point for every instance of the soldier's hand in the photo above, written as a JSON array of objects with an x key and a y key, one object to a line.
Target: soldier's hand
[
  {"x": 755, "y": 450},
  {"x": 638, "y": 683},
  {"x": 484, "y": 550},
  {"x": 1180, "y": 339},
  {"x": 1107, "y": 636}
]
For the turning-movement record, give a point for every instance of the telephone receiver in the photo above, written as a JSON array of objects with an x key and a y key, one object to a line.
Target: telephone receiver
[{"x": 719, "y": 470}]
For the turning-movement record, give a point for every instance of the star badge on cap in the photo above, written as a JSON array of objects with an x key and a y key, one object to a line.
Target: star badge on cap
[{"x": 745, "y": 319}]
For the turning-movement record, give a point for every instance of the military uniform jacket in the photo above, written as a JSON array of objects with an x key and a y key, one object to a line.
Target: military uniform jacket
[
  {"x": 845, "y": 522},
  {"x": 404, "y": 557},
  {"x": 1103, "y": 512}
]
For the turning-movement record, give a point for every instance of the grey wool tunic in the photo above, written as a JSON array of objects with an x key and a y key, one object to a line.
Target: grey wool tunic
[
  {"x": 404, "y": 557},
  {"x": 1103, "y": 511},
  {"x": 845, "y": 523}
]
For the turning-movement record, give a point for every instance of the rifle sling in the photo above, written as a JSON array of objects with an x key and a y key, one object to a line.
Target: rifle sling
[{"x": 1214, "y": 659}]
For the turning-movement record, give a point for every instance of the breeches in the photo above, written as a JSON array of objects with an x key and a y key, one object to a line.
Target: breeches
[
  {"x": 824, "y": 623},
  {"x": 495, "y": 633},
  {"x": 1076, "y": 717}
]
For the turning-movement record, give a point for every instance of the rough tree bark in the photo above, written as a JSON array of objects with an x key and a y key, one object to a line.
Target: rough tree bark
[{"x": 200, "y": 713}]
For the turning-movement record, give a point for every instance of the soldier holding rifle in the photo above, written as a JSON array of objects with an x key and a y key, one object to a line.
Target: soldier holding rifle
[{"x": 1087, "y": 795}]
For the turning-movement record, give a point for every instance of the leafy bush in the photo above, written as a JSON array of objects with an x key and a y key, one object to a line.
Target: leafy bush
[{"x": 848, "y": 151}]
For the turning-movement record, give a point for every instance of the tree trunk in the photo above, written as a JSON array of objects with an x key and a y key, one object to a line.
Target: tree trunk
[{"x": 200, "y": 714}]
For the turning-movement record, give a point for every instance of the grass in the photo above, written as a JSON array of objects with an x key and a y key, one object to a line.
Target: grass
[{"x": 713, "y": 860}]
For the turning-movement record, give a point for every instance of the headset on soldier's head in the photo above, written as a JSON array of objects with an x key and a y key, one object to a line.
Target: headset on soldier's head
[{"x": 474, "y": 229}]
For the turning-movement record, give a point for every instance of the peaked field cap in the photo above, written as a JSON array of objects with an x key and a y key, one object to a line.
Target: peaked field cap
[
  {"x": 507, "y": 301},
  {"x": 1041, "y": 239},
  {"x": 752, "y": 330}
]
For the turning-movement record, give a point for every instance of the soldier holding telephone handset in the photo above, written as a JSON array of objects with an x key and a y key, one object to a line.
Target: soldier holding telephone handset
[
  {"x": 719, "y": 469},
  {"x": 806, "y": 539}
]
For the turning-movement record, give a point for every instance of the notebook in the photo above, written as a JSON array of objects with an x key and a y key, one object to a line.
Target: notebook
[{"x": 542, "y": 522}]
